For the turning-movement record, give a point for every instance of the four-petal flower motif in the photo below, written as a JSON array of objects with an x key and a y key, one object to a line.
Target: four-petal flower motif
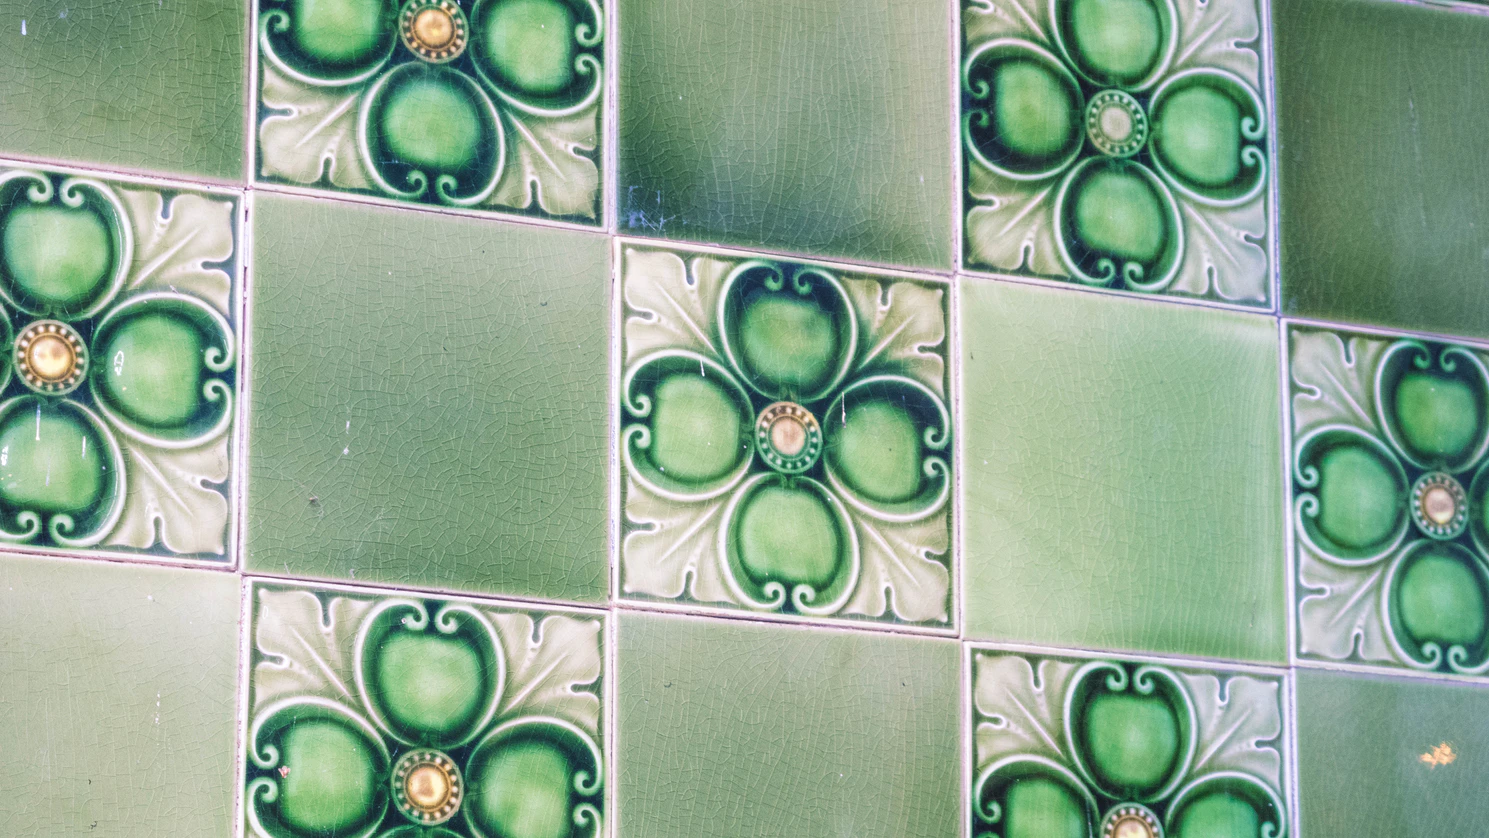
[
  {"x": 406, "y": 718},
  {"x": 1118, "y": 143},
  {"x": 1391, "y": 491},
  {"x": 786, "y": 439},
  {"x": 463, "y": 103},
  {"x": 118, "y": 375},
  {"x": 1124, "y": 750}
]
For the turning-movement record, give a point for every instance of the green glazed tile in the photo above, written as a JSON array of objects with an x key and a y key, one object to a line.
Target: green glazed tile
[
  {"x": 1383, "y": 170},
  {"x": 142, "y": 84},
  {"x": 428, "y": 402},
  {"x": 1065, "y": 747},
  {"x": 421, "y": 718},
  {"x": 819, "y": 128},
  {"x": 1121, "y": 474},
  {"x": 119, "y": 381},
  {"x": 734, "y": 729},
  {"x": 120, "y": 692},
  {"x": 1390, "y": 492},
  {"x": 785, "y": 437},
  {"x": 475, "y": 104},
  {"x": 1120, "y": 144},
  {"x": 1387, "y": 756}
]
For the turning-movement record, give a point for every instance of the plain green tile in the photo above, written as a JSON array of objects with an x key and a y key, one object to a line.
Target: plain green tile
[
  {"x": 144, "y": 84},
  {"x": 428, "y": 400},
  {"x": 1122, "y": 474},
  {"x": 119, "y": 691},
  {"x": 734, "y": 729},
  {"x": 1361, "y": 739},
  {"x": 1383, "y": 167},
  {"x": 821, "y": 128}
]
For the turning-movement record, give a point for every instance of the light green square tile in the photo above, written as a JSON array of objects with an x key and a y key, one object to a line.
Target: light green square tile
[
  {"x": 428, "y": 400},
  {"x": 141, "y": 84},
  {"x": 1389, "y": 756},
  {"x": 821, "y": 128},
  {"x": 120, "y": 691},
  {"x": 735, "y": 729},
  {"x": 1121, "y": 474}
]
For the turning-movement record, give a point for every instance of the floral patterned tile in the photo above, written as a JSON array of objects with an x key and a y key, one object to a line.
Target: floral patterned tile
[
  {"x": 119, "y": 376},
  {"x": 1390, "y": 489},
  {"x": 1119, "y": 143},
  {"x": 394, "y": 715},
  {"x": 785, "y": 438},
  {"x": 1125, "y": 749},
  {"x": 470, "y": 104}
]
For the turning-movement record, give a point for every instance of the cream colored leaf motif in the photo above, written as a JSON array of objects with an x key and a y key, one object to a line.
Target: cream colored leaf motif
[
  {"x": 168, "y": 490},
  {"x": 301, "y": 655},
  {"x": 1342, "y": 610},
  {"x": 903, "y": 328},
  {"x": 1011, "y": 225},
  {"x": 1239, "y": 724},
  {"x": 1211, "y": 34},
  {"x": 175, "y": 244},
  {"x": 1018, "y": 711},
  {"x": 1333, "y": 380},
  {"x": 550, "y": 160},
  {"x": 314, "y": 134},
  {"x": 984, "y": 20},
  {"x": 548, "y": 669},
  {"x": 675, "y": 547},
  {"x": 1222, "y": 252},
  {"x": 902, "y": 561},
  {"x": 670, "y": 304}
]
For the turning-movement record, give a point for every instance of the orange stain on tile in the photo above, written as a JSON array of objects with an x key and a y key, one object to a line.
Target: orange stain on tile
[{"x": 1442, "y": 754}]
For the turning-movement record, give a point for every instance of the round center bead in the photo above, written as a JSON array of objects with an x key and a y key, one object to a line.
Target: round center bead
[
  {"x": 1439, "y": 506},
  {"x": 50, "y": 357},
  {"x": 1116, "y": 124},
  {"x": 788, "y": 437},
  {"x": 427, "y": 787},
  {"x": 1131, "y": 820},
  {"x": 434, "y": 30}
]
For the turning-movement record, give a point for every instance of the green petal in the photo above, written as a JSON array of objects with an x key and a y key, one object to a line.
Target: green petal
[
  {"x": 698, "y": 432},
  {"x": 1033, "y": 109},
  {"x": 56, "y": 257},
  {"x": 789, "y": 341},
  {"x": 1360, "y": 497},
  {"x": 51, "y": 461},
  {"x": 1036, "y": 807},
  {"x": 150, "y": 369},
  {"x": 332, "y": 779},
  {"x": 529, "y": 44},
  {"x": 1442, "y": 599},
  {"x": 1218, "y": 815},
  {"x": 788, "y": 535},
  {"x": 522, "y": 791},
  {"x": 1118, "y": 213},
  {"x": 878, "y": 452},
  {"x": 1438, "y": 417},
  {"x": 1198, "y": 135},
  {"x": 340, "y": 31},
  {"x": 428, "y": 122},
  {"x": 429, "y": 684},
  {"x": 1116, "y": 41},
  {"x": 1132, "y": 741}
]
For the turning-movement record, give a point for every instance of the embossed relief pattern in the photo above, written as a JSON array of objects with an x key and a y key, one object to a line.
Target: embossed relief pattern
[
  {"x": 118, "y": 366},
  {"x": 1118, "y": 143},
  {"x": 1390, "y": 491},
  {"x": 402, "y": 717},
  {"x": 479, "y": 104},
  {"x": 785, "y": 438},
  {"x": 1124, "y": 750}
]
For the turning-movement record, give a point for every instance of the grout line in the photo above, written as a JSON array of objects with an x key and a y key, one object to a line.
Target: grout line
[
  {"x": 1180, "y": 661},
  {"x": 982, "y": 275},
  {"x": 1399, "y": 673},
  {"x": 867, "y": 626}
]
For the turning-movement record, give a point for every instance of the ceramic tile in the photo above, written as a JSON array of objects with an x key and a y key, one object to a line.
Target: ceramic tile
[
  {"x": 1123, "y": 748},
  {"x": 1384, "y": 178},
  {"x": 118, "y": 392},
  {"x": 820, "y": 128},
  {"x": 140, "y": 84},
  {"x": 398, "y": 715},
  {"x": 786, "y": 438},
  {"x": 119, "y": 693},
  {"x": 1121, "y": 143},
  {"x": 1121, "y": 474},
  {"x": 735, "y": 729},
  {"x": 429, "y": 401},
  {"x": 473, "y": 104},
  {"x": 1384, "y": 756},
  {"x": 1389, "y": 487}
]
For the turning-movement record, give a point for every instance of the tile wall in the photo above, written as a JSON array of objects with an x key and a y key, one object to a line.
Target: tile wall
[{"x": 652, "y": 418}]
